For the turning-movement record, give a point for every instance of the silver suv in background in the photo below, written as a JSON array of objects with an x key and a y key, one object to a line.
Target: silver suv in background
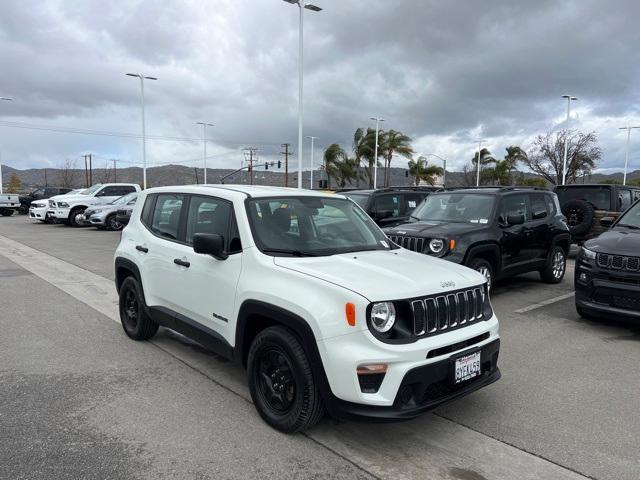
[{"x": 105, "y": 216}]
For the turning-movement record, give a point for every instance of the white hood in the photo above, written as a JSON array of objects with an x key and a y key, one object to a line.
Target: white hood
[
  {"x": 386, "y": 274},
  {"x": 84, "y": 199}
]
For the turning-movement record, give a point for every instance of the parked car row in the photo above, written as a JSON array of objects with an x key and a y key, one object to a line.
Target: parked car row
[{"x": 399, "y": 322}]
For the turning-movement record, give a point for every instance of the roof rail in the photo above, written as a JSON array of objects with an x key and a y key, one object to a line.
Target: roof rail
[{"x": 498, "y": 188}]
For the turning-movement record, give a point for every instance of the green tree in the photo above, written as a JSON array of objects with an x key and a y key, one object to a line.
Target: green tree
[
  {"x": 339, "y": 166},
  {"x": 421, "y": 170},
  {"x": 393, "y": 143},
  {"x": 15, "y": 184},
  {"x": 364, "y": 143}
]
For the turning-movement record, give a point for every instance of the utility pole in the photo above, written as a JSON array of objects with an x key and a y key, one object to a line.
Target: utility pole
[
  {"x": 46, "y": 183},
  {"x": 115, "y": 174},
  {"x": 90, "y": 170},
  {"x": 86, "y": 172},
  {"x": 286, "y": 154},
  {"x": 249, "y": 154}
]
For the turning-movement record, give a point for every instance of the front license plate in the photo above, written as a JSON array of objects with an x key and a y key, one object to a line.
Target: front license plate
[{"x": 467, "y": 367}]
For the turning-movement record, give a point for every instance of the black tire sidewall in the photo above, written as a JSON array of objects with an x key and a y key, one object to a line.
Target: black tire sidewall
[
  {"x": 282, "y": 339},
  {"x": 128, "y": 284},
  {"x": 108, "y": 221},
  {"x": 588, "y": 214},
  {"x": 547, "y": 274},
  {"x": 72, "y": 216}
]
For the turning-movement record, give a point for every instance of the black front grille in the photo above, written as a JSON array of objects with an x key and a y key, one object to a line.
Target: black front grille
[
  {"x": 410, "y": 243},
  {"x": 440, "y": 313},
  {"x": 618, "y": 262}
]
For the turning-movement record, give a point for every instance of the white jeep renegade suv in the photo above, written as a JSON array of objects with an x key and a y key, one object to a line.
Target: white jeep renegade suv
[{"x": 309, "y": 294}]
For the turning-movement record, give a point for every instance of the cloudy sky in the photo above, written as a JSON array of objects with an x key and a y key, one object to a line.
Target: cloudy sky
[{"x": 444, "y": 72}]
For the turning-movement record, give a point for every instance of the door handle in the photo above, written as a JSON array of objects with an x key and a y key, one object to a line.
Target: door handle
[
  {"x": 142, "y": 249},
  {"x": 182, "y": 263}
]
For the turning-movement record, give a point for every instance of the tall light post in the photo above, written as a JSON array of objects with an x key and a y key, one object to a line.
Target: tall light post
[
  {"x": 566, "y": 139},
  {"x": 311, "y": 161},
  {"x": 6, "y": 99},
  {"x": 628, "y": 128},
  {"x": 144, "y": 138},
  {"x": 444, "y": 167},
  {"x": 309, "y": 6},
  {"x": 375, "y": 152},
  {"x": 478, "y": 166},
  {"x": 204, "y": 141}
]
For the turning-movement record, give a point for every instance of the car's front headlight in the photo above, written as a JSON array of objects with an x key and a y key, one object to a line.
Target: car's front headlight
[
  {"x": 587, "y": 254},
  {"x": 436, "y": 246},
  {"x": 97, "y": 210},
  {"x": 63, "y": 204},
  {"x": 383, "y": 316}
]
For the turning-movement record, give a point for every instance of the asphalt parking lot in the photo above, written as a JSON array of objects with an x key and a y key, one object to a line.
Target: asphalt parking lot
[{"x": 80, "y": 400}]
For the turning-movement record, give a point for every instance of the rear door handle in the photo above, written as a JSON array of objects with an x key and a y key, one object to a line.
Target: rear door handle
[
  {"x": 142, "y": 249},
  {"x": 182, "y": 263}
]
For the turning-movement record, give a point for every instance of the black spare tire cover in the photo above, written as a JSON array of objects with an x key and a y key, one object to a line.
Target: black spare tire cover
[{"x": 580, "y": 215}]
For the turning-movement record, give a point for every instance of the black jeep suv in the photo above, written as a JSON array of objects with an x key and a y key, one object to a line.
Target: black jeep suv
[
  {"x": 585, "y": 205},
  {"x": 389, "y": 206},
  {"x": 607, "y": 276},
  {"x": 499, "y": 232}
]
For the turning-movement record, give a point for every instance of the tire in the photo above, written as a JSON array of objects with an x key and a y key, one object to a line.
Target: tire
[
  {"x": 112, "y": 223},
  {"x": 281, "y": 381},
  {"x": 73, "y": 220},
  {"x": 6, "y": 212},
  {"x": 135, "y": 321},
  {"x": 580, "y": 215},
  {"x": 484, "y": 267},
  {"x": 24, "y": 209},
  {"x": 556, "y": 266}
]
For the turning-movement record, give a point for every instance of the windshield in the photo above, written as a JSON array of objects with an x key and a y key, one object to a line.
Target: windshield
[
  {"x": 92, "y": 189},
  {"x": 125, "y": 198},
  {"x": 599, "y": 197},
  {"x": 456, "y": 207},
  {"x": 631, "y": 217},
  {"x": 359, "y": 198},
  {"x": 312, "y": 226}
]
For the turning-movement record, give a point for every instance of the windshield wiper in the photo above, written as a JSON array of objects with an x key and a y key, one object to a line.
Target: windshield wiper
[
  {"x": 633, "y": 227},
  {"x": 414, "y": 217},
  {"x": 292, "y": 252}
]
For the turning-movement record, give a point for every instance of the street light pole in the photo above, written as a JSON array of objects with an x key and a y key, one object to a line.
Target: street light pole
[
  {"x": 144, "y": 137},
  {"x": 204, "y": 141},
  {"x": 6, "y": 99},
  {"x": 311, "y": 176},
  {"x": 375, "y": 152},
  {"x": 626, "y": 158},
  {"x": 313, "y": 8},
  {"x": 566, "y": 140}
]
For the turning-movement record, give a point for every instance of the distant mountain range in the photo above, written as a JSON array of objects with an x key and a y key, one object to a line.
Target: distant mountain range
[{"x": 181, "y": 175}]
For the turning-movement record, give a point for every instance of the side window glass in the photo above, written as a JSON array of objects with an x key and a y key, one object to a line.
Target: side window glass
[
  {"x": 126, "y": 189},
  {"x": 166, "y": 215},
  {"x": 147, "y": 210},
  {"x": 538, "y": 207},
  {"x": 208, "y": 215},
  {"x": 551, "y": 204},
  {"x": 636, "y": 195},
  {"x": 624, "y": 199},
  {"x": 387, "y": 206},
  {"x": 514, "y": 205},
  {"x": 413, "y": 199}
]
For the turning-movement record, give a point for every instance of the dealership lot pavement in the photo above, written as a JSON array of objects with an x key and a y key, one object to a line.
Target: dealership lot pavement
[{"x": 80, "y": 400}]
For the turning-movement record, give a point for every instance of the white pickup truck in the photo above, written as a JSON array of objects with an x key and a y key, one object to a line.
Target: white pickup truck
[
  {"x": 70, "y": 209},
  {"x": 8, "y": 203}
]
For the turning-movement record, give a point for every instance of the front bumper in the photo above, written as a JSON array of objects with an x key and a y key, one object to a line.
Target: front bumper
[
  {"x": 59, "y": 213},
  {"x": 95, "y": 219},
  {"x": 430, "y": 357},
  {"x": 424, "y": 388},
  {"x": 38, "y": 213},
  {"x": 605, "y": 292}
]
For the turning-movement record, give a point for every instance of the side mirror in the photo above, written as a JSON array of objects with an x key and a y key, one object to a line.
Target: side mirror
[
  {"x": 515, "y": 219},
  {"x": 210, "y": 244},
  {"x": 607, "y": 221}
]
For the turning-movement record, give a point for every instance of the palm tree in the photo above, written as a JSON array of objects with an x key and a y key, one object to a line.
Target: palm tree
[
  {"x": 514, "y": 155},
  {"x": 393, "y": 142},
  {"x": 363, "y": 150},
  {"x": 421, "y": 170},
  {"x": 486, "y": 158},
  {"x": 339, "y": 166}
]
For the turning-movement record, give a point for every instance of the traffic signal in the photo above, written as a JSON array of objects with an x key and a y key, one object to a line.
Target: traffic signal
[
  {"x": 266, "y": 166},
  {"x": 406, "y": 173},
  {"x": 279, "y": 164}
]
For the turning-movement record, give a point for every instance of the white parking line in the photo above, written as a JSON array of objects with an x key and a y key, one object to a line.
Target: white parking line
[
  {"x": 96, "y": 291},
  {"x": 545, "y": 303}
]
